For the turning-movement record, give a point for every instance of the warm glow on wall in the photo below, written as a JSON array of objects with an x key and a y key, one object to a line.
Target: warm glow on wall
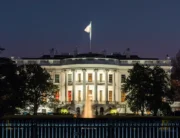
[
  {"x": 123, "y": 97},
  {"x": 57, "y": 95}
]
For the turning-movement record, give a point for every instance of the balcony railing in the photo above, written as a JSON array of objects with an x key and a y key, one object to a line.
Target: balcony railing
[
  {"x": 70, "y": 83},
  {"x": 90, "y": 82},
  {"x": 92, "y": 61},
  {"x": 79, "y": 82},
  {"x": 101, "y": 82}
]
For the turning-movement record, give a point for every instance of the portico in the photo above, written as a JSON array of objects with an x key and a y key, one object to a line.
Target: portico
[{"x": 102, "y": 84}]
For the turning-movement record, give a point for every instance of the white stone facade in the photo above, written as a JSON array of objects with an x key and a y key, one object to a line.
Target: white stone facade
[{"x": 103, "y": 77}]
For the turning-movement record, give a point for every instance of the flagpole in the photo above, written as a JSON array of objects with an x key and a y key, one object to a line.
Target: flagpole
[
  {"x": 90, "y": 45},
  {"x": 90, "y": 36}
]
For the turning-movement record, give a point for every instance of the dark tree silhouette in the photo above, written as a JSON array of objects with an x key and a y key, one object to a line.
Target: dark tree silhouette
[
  {"x": 148, "y": 88},
  {"x": 11, "y": 93},
  {"x": 37, "y": 85},
  {"x": 176, "y": 75}
]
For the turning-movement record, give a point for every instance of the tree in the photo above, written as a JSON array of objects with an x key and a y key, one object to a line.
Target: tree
[
  {"x": 53, "y": 102},
  {"x": 38, "y": 87},
  {"x": 176, "y": 75},
  {"x": 148, "y": 88},
  {"x": 11, "y": 93},
  {"x": 161, "y": 93},
  {"x": 136, "y": 87}
]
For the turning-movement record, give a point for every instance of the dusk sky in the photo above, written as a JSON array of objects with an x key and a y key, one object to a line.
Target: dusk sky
[{"x": 150, "y": 28}]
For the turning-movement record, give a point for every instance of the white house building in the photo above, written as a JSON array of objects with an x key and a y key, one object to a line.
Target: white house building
[{"x": 103, "y": 76}]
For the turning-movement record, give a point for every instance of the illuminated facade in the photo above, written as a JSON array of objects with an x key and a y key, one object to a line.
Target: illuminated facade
[{"x": 103, "y": 74}]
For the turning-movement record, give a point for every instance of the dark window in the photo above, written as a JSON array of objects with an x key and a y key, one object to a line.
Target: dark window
[
  {"x": 56, "y": 78},
  {"x": 123, "y": 78},
  {"x": 79, "y": 77},
  {"x": 110, "y": 78},
  {"x": 69, "y": 77},
  {"x": 100, "y": 78}
]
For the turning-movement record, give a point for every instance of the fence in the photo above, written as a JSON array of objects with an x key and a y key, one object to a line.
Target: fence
[{"x": 111, "y": 127}]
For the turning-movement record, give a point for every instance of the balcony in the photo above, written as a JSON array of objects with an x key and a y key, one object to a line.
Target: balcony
[
  {"x": 101, "y": 82},
  {"x": 112, "y": 102},
  {"x": 79, "y": 102},
  {"x": 79, "y": 82},
  {"x": 101, "y": 102},
  {"x": 89, "y": 82},
  {"x": 70, "y": 83}
]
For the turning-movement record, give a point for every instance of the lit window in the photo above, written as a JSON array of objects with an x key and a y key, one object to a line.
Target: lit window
[
  {"x": 123, "y": 96},
  {"x": 100, "y": 96},
  {"x": 100, "y": 79},
  {"x": 123, "y": 78},
  {"x": 69, "y": 96},
  {"x": 110, "y": 78},
  {"x": 57, "y": 95},
  {"x": 79, "y": 95},
  {"x": 79, "y": 77},
  {"x": 56, "y": 78},
  {"x": 90, "y": 77},
  {"x": 69, "y": 77},
  {"x": 110, "y": 96}
]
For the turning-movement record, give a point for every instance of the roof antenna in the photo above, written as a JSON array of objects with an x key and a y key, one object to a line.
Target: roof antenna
[
  {"x": 167, "y": 57},
  {"x": 76, "y": 51},
  {"x": 56, "y": 53},
  {"x": 127, "y": 53},
  {"x": 104, "y": 52},
  {"x": 51, "y": 52}
]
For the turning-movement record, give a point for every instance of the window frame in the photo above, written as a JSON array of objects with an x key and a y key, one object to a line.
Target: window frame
[
  {"x": 123, "y": 78},
  {"x": 55, "y": 78},
  {"x": 79, "y": 77},
  {"x": 89, "y": 77},
  {"x": 100, "y": 77},
  {"x": 69, "y": 77},
  {"x": 110, "y": 78}
]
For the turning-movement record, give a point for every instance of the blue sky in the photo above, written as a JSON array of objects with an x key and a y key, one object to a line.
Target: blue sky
[{"x": 150, "y": 28}]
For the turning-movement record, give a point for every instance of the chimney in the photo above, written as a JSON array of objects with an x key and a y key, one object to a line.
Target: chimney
[
  {"x": 128, "y": 53},
  {"x": 56, "y": 53},
  {"x": 104, "y": 52},
  {"x": 75, "y": 51},
  {"x": 51, "y": 52},
  {"x": 167, "y": 57}
]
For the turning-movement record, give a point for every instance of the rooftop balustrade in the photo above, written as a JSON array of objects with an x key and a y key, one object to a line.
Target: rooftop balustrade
[{"x": 108, "y": 61}]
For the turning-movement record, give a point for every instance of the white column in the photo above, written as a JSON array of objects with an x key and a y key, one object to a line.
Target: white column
[
  {"x": 106, "y": 85},
  {"x": 65, "y": 90},
  {"x": 117, "y": 86},
  {"x": 84, "y": 84},
  {"x": 114, "y": 86},
  {"x": 60, "y": 87},
  {"x": 73, "y": 88},
  {"x": 119, "y": 96},
  {"x": 95, "y": 88}
]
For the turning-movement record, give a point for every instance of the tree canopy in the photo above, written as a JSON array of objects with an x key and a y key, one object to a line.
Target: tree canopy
[
  {"x": 176, "y": 75},
  {"x": 11, "y": 93},
  {"x": 148, "y": 88},
  {"x": 38, "y": 85}
]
